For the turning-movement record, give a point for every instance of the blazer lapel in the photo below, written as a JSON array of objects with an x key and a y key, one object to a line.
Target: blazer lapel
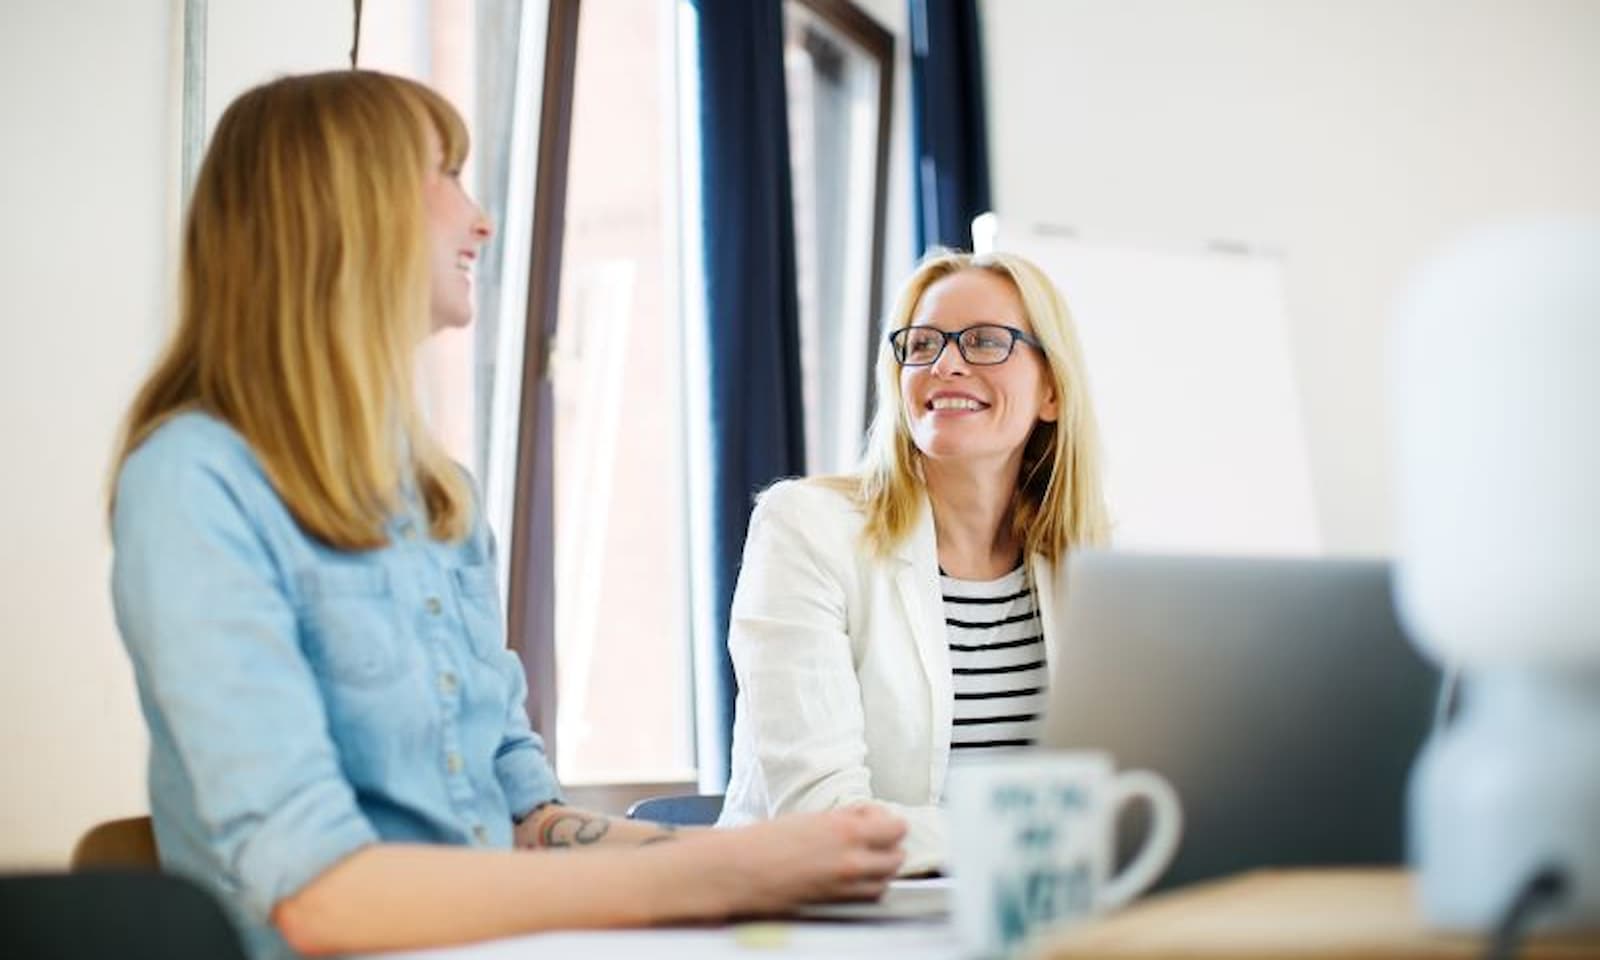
[{"x": 917, "y": 581}]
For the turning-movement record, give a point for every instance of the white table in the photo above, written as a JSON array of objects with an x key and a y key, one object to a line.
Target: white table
[
  {"x": 867, "y": 941},
  {"x": 909, "y": 922}
]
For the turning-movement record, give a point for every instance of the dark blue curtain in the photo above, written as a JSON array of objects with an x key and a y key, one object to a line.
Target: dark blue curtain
[
  {"x": 752, "y": 310},
  {"x": 949, "y": 129}
]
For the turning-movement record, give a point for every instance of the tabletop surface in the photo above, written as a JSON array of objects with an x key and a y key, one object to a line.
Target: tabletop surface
[
  {"x": 1322, "y": 914},
  {"x": 1304, "y": 914}
]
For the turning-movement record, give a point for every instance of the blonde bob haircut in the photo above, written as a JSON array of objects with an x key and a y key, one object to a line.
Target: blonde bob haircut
[
  {"x": 304, "y": 294},
  {"x": 1058, "y": 502}
]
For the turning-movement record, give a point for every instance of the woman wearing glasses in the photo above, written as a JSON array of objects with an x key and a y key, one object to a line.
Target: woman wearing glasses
[{"x": 889, "y": 620}]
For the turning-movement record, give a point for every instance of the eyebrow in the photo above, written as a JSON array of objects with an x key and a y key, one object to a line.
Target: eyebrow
[{"x": 974, "y": 323}]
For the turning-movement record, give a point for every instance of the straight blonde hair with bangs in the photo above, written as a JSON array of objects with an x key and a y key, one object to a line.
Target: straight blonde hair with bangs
[
  {"x": 304, "y": 294},
  {"x": 1059, "y": 501}
]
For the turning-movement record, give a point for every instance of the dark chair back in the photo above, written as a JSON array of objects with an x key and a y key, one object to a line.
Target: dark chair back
[
  {"x": 682, "y": 810},
  {"x": 129, "y": 915},
  {"x": 127, "y": 844}
]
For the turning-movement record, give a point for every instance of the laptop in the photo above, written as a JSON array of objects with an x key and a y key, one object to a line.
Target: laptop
[{"x": 1279, "y": 697}]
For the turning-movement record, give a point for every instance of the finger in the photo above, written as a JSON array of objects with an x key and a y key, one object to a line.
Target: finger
[
  {"x": 882, "y": 830},
  {"x": 873, "y": 865}
]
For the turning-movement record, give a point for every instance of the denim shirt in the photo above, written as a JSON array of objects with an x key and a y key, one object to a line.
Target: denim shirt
[{"x": 305, "y": 701}]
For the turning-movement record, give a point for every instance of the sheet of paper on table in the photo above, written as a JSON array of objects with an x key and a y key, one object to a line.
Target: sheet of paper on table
[{"x": 922, "y": 899}]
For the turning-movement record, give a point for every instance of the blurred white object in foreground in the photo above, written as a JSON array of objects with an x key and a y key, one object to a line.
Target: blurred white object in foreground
[{"x": 1495, "y": 386}]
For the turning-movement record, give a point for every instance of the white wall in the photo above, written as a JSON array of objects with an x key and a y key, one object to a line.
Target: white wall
[
  {"x": 1352, "y": 137},
  {"x": 89, "y": 105}
]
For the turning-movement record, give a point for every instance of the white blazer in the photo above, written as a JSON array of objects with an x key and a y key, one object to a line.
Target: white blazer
[{"x": 843, "y": 666}]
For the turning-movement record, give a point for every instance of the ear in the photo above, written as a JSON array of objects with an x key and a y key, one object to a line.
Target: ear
[{"x": 1049, "y": 407}]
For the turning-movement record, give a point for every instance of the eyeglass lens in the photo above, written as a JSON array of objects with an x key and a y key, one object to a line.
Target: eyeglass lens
[{"x": 982, "y": 344}]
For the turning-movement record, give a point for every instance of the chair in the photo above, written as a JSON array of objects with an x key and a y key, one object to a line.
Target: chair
[
  {"x": 128, "y": 844},
  {"x": 681, "y": 810},
  {"x": 127, "y": 914}
]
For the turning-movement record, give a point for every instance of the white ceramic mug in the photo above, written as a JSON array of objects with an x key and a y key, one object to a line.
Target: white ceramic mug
[{"x": 1032, "y": 839}]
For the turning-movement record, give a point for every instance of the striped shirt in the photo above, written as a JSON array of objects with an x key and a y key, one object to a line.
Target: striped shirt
[{"x": 996, "y": 661}]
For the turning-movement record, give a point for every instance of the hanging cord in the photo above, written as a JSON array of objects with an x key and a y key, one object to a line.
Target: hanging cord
[
  {"x": 1544, "y": 889},
  {"x": 1448, "y": 705},
  {"x": 355, "y": 35}
]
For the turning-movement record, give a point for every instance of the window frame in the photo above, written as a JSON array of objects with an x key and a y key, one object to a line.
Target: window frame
[
  {"x": 530, "y": 599},
  {"x": 877, "y": 42}
]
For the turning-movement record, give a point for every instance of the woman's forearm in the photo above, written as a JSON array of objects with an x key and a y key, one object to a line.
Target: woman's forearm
[{"x": 394, "y": 896}]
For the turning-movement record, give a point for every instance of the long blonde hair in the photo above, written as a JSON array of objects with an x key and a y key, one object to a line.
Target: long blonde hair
[
  {"x": 1059, "y": 502},
  {"x": 304, "y": 293}
]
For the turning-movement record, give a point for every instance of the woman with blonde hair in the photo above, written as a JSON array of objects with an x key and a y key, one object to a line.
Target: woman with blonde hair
[
  {"x": 305, "y": 585},
  {"x": 887, "y": 621}
]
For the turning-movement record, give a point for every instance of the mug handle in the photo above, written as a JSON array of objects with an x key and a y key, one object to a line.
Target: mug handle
[{"x": 1166, "y": 828}]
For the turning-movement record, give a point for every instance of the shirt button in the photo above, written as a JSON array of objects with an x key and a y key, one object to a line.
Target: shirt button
[
  {"x": 452, "y": 762},
  {"x": 447, "y": 683},
  {"x": 433, "y": 605},
  {"x": 480, "y": 834}
]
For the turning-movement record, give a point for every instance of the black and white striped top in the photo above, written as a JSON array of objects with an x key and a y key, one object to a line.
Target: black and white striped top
[{"x": 996, "y": 661}]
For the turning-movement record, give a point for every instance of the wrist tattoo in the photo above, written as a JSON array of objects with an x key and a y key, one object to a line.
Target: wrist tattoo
[{"x": 572, "y": 830}]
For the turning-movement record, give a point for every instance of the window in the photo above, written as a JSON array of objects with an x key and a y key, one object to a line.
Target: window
[
  {"x": 622, "y": 646},
  {"x": 611, "y": 459},
  {"x": 612, "y": 593},
  {"x": 839, "y": 69}
]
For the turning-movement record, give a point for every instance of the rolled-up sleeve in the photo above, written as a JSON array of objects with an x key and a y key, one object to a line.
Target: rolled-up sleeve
[
  {"x": 520, "y": 763},
  {"x": 212, "y": 633}
]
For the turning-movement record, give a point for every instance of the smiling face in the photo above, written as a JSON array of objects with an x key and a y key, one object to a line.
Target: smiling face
[
  {"x": 970, "y": 414},
  {"x": 457, "y": 229}
]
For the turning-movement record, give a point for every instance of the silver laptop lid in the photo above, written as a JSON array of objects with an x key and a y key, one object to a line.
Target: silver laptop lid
[{"x": 1279, "y": 697}]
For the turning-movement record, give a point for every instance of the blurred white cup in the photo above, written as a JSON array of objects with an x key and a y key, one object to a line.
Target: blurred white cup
[{"x": 1032, "y": 840}]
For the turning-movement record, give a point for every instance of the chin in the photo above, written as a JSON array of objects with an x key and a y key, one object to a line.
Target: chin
[
  {"x": 944, "y": 450},
  {"x": 451, "y": 319},
  {"x": 947, "y": 442},
  {"x": 953, "y": 449}
]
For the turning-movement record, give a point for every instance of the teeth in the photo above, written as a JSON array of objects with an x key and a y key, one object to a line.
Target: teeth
[
  {"x": 954, "y": 403},
  {"x": 463, "y": 262}
]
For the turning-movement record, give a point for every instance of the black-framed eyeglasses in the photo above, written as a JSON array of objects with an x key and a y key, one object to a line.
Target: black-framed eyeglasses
[{"x": 981, "y": 345}]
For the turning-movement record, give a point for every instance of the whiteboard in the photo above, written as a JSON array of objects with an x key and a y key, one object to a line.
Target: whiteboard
[{"x": 1195, "y": 390}]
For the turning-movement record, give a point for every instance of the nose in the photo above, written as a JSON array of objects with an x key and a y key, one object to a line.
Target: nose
[
  {"x": 482, "y": 226},
  {"x": 950, "y": 361}
]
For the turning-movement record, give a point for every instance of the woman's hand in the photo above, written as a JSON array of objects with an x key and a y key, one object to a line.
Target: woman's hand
[{"x": 846, "y": 854}]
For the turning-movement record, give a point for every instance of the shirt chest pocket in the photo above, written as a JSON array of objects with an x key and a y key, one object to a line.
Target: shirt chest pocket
[
  {"x": 479, "y": 599},
  {"x": 349, "y": 620}
]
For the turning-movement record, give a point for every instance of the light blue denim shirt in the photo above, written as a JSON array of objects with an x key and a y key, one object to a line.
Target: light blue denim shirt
[{"x": 305, "y": 701}]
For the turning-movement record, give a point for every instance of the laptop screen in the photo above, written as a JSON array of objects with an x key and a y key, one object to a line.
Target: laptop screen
[{"x": 1278, "y": 696}]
